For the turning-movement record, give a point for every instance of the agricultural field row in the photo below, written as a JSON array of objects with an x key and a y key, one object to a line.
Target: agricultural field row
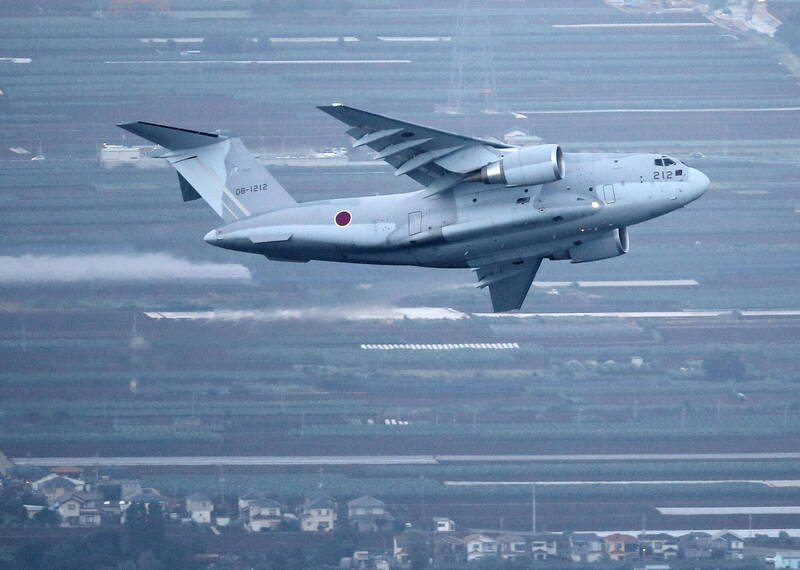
[{"x": 403, "y": 489}]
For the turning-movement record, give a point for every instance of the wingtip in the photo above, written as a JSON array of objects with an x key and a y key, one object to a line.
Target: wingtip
[
  {"x": 328, "y": 108},
  {"x": 127, "y": 126}
]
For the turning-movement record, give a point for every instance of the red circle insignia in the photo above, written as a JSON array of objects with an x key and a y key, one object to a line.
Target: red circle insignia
[{"x": 343, "y": 218}]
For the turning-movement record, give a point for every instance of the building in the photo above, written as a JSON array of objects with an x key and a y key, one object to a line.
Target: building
[
  {"x": 56, "y": 487},
  {"x": 586, "y": 547},
  {"x": 621, "y": 546},
  {"x": 150, "y": 495},
  {"x": 512, "y": 546},
  {"x": 248, "y": 499},
  {"x": 81, "y": 508},
  {"x": 199, "y": 507},
  {"x": 318, "y": 514},
  {"x": 449, "y": 549},
  {"x": 728, "y": 545},
  {"x": 368, "y": 514},
  {"x": 264, "y": 514},
  {"x": 786, "y": 560},
  {"x": 658, "y": 546},
  {"x": 545, "y": 546},
  {"x": 480, "y": 546},
  {"x": 443, "y": 524},
  {"x": 695, "y": 545}
]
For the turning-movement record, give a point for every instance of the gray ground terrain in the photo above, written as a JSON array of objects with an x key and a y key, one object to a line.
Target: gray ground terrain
[{"x": 95, "y": 262}]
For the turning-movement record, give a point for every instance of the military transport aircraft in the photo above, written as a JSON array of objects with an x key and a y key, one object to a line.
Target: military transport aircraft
[{"x": 485, "y": 205}]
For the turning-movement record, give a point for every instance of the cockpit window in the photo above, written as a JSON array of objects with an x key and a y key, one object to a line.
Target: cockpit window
[
  {"x": 665, "y": 161},
  {"x": 659, "y": 162}
]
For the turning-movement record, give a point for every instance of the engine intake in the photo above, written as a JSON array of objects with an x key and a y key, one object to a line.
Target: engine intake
[
  {"x": 528, "y": 166},
  {"x": 611, "y": 244}
]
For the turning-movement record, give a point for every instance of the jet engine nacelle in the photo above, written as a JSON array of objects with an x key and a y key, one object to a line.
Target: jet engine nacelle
[
  {"x": 611, "y": 244},
  {"x": 529, "y": 166}
]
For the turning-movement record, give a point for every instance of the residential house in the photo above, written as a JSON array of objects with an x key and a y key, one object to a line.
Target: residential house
[
  {"x": 150, "y": 495},
  {"x": 318, "y": 513},
  {"x": 368, "y": 514},
  {"x": 364, "y": 560},
  {"x": 248, "y": 499},
  {"x": 787, "y": 560},
  {"x": 695, "y": 545},
  {"x": 480, "y": 546},
  {"x": 81, "y": 508},
  {"x": 621, "y": 546},
  {"x": 443, "y": 524},
  {"x": 512, "y": 546},
  {"x": 545, "y": 546},
  {"x": 658, "y": 545},
  {"x": 199, "y": 507},
  {"x": 264, "y": 514},
  {"x": 586, "y": 547},
  {"x": 728, "y": 545},
  {"x": 448, "y": 549},
  {"x": 118, "y": 489},
  {"x": 56, "y": 487}
]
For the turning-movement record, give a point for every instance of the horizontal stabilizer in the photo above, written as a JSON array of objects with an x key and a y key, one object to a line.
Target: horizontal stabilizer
[{"x": 172, "y": 138}]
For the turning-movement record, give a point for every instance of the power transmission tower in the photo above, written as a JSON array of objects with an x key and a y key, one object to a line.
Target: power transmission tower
[{"x": 473, "y": 86}]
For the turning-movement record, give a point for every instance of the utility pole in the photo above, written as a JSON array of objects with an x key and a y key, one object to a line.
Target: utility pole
[
  {"x": 474, "y": 415},
  {"x": 533, "y": 509},
  {"x": 472, "y": 78}
]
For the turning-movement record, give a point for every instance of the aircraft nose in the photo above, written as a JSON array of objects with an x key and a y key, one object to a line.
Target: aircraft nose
[{"x": 698, "y": 183}]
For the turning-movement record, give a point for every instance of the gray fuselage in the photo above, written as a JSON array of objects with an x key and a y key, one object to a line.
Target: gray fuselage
[{"x": 474, "y": 224}]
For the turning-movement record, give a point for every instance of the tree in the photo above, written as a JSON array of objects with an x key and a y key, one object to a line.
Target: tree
[
  {"x": 155, "y": 528},
  {"x": 47, "y": 517},
  {"x": 135, "y": 528},
  {"x": 723, "y": 365},
  {"x": 415, "y": 543}
]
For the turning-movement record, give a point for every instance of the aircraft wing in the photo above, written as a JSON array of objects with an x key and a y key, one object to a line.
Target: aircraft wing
[
  {"x": 508, "y": 282},
  {"x": 436, "y": 159}
]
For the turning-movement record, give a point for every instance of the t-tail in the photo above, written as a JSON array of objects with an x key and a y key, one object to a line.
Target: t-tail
[{"x": 218, "y": 169}]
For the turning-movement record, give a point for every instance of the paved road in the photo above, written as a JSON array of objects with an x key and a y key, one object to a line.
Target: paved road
[{"x": 385, "y": 459}]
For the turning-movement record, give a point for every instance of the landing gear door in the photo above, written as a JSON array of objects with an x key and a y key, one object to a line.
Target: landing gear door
[{"x": 414, "y": 223}]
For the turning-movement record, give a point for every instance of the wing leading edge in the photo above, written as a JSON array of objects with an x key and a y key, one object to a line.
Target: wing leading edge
[{"x": 435, "y": 158}]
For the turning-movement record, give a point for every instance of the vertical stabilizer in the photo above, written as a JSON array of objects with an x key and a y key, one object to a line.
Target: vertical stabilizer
[{"x": 218, "y": 169}]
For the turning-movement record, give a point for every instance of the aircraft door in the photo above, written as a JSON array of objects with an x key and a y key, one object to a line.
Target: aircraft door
[
  {"x": 608, "y": 194},
  {"x": 414, "y": 223}
]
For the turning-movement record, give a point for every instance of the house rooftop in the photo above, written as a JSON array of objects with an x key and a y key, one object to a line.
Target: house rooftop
[
  {"x": 197, "y": 497},
  {"x": 366, "y": 501},
  {"x": 656, "y": 536}
]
